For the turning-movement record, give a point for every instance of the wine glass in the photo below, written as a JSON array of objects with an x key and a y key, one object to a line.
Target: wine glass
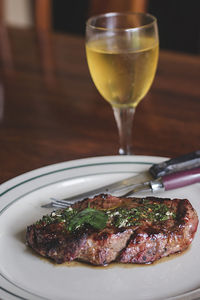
[{"x": 122, "y": 53}]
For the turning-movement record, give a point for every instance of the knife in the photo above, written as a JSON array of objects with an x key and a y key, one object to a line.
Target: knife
[
  {"x": 183, "y": 162},
  {"x": 167, "y": 182}
]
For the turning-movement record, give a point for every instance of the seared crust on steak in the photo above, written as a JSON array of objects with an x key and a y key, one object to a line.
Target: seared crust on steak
[{"x": 140, "y": 243}]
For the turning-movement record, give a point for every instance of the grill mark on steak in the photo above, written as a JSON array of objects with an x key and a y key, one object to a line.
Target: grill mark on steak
[
  {"x": 149, "y": 244},
  {"x": 140, "y": 244}
]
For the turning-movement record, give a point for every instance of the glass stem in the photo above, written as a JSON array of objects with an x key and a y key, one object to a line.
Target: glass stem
[{"x": 124, "y": 119}]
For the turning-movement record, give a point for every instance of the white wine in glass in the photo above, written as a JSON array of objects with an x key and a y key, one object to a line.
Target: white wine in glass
[{"x": 122, "y": 53}]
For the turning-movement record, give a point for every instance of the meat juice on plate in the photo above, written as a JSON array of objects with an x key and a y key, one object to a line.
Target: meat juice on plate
[{"x": 123, "y": 77}]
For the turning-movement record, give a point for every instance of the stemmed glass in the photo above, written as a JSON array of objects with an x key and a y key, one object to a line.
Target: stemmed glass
[{"x": 122, "y": 54}]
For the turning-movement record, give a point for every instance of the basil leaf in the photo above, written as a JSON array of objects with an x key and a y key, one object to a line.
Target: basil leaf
[{"x": 89, "y": 216}]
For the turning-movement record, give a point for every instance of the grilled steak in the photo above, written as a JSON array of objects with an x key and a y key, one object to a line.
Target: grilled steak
[{"x": 107, "y": 228}]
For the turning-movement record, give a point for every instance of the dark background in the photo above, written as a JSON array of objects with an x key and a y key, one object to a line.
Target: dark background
[
  {"x": 179, "y": 24},
  {"x": 70, "y": 15},
  {"x": 178, "y": 21}
]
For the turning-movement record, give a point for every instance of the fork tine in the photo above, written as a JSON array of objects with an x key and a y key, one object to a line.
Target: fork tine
[
  {"x": 57, "y": 203},
  {"x": 62, "y": 202}
]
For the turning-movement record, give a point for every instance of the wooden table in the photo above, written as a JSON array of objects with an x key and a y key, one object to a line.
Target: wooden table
[{"x": 51, "y": 112}]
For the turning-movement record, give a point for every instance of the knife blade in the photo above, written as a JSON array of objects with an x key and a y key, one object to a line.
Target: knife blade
[
  {"x": 183, "y": 162},
  {"x": 167, "y": 182}
]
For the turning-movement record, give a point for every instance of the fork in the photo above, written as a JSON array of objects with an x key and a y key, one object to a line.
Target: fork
[
  {"x": 165, "y": 183},
  {"x": 57, "y": 203}
]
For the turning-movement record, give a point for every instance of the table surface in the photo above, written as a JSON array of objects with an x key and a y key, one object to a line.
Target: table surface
[{"x": 50, "y": 110}]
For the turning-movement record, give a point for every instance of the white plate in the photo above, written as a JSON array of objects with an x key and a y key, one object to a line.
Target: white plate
[{"x": 24, "y": 275}]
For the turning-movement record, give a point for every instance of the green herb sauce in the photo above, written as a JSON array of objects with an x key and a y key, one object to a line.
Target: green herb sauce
[
  {"x": 153, "y": 212},
  {"x": 118, "y": 217},
  {"x": 75, "y": 219}
]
